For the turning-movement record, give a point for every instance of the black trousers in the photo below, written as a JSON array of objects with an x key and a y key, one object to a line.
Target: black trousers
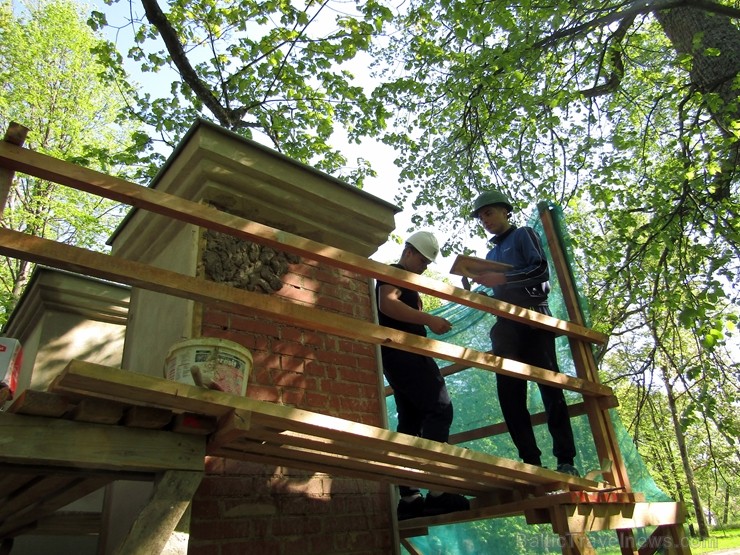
[
  {"x": 524, "y": 343},
  {"x": 422, "y": 401}
]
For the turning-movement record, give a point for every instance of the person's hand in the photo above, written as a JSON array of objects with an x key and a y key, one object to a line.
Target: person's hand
[
  {"x": 466, "y": 283},
  {"x": 439, "y": 325},
  {"x": 491, "y": 279}
]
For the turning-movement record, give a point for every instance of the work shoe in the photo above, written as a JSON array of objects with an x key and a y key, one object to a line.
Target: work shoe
[
  {"x": 410, "y": 509},
  {"x": 566, "y": 468},
  {"x": 445, "y": 503}
]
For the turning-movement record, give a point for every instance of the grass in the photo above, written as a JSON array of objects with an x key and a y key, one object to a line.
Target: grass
[{"x": 718, "y": 540}]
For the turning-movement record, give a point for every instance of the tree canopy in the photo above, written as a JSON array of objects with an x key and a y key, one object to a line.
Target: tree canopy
[
  {"x": 624, "y": 113},
  {"x": 49, "y": 84},
  {"x": 269, "y": 70}
]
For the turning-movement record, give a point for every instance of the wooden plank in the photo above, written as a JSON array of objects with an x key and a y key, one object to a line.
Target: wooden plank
[
  {"x": 377, "y": 459},
  {"x": 84, "y": 179},
  {"x": 151, "y": 418},
  {"x": 153, "y": 527},
  {"x": 339, "y": 432},
  {"x": 97, "y": 411},
  {"x": 571, "y": 543},
  {"x": 40, "y": 403},
  {"x": 521, "y": 506},
  {"x": 12, "y": 482},
  {"x": 538, "y": 419},
  {"x": 414, "y": 532},
  {"x": 41, "y": 441},
  {"x": 272, "y": 457},
  {"x": 668, "y": 540},
  {"x": 16, "y": 135},
  {"x": 627, "y": 542},
  {"x": 613, "y": 516},
  {"x": 331, "y": 463},
  {"x": 41, "y": 507},
  {"x": 121, "y": 385},
  {"x": 41, "y": 487},
  {"x": 602, "y": 428},
  {"x": 239, "y": 301},
  {"x": 69, "y": 523},
  {"x": 408, "y": 546}
]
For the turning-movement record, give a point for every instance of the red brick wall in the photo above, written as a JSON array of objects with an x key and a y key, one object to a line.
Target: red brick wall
[{"x": 252, "y": 508}]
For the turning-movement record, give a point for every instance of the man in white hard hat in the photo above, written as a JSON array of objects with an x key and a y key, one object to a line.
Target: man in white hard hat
[
  {"x": 422, "y": 402},
  {"x": 526, "y": 284}
]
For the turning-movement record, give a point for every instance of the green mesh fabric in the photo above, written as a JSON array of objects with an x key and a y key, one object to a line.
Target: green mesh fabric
[{"x": 473, "y": 394}]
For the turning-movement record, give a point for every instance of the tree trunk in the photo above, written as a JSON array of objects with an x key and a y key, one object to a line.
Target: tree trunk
[
  {"x": 713, "y": 42},
  {"x": 726, "y": 508},
  {"x": 683, "y": 451}
]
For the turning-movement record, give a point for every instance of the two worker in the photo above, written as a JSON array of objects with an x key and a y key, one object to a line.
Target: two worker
[{"x": 422, "y": 401}]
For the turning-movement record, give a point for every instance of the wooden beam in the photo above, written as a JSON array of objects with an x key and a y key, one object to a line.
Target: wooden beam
[
  {"x": 40, "y": 403},
  {"x": 45, "y": 496},
  {"x": 39, "y": 441},
  {"x": 69, "y": 523},
  {"x": 16, "y": 135},
  {"x": 571, "y": 542},
  {"x": 627, "y": 542},
  {"x": 406, "y": 543},
  {"x": 153, "y": 527},
  {"x": 538, "y": 419},
  {"x": 51, "y": 253},
  {"x": 613, "y": 516},
  {"x": 526, "y": 505},
  {"x": 667, "y": 540},
  {"x": 97, "y": 183},
  {"x": 602, "y": 428}
]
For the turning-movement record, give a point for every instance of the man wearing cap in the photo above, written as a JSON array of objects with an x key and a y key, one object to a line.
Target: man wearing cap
[
  {"x": 525, "y": 284},
  {"x": 422, "y": 402}
]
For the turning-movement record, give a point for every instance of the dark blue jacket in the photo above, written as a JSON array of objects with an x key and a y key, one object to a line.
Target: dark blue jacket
[{"x": 527, "y": 283}]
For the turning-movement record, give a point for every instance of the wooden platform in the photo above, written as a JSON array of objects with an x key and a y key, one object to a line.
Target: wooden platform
[
  {"x": 100, "y": 424},
  {"x": 262, "y": 431}
]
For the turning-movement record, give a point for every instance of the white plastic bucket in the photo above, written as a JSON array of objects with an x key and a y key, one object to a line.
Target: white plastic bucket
[{"x": 210, "y": 362}]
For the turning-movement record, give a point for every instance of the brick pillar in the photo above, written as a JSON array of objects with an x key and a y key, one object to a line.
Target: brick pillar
[
  {"x": 272, "y": 510},
  {"x": 250, "y": 507}
]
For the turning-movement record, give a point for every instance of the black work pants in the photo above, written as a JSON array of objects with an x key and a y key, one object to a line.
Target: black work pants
[
  {"x": 422, "y": 401},
  {"x": 534, "y": 346}
]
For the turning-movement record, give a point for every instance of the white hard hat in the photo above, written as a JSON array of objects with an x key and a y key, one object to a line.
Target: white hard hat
[{"x": 425, "y": 243}]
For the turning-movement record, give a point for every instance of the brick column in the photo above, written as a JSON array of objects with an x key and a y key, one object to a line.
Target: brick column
[{"x": 262, "y": 507}]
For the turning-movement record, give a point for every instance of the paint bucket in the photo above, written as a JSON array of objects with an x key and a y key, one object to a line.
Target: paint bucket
[{"x": 209, "y": 362}]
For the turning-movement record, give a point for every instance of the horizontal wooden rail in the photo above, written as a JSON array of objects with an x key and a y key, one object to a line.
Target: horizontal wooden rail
[
  {"x": 59, "y": 255},
  {"x": 587, "y": 500},
  {"x": 538, "y": 419},
  {"x": 59, "y": 171}
]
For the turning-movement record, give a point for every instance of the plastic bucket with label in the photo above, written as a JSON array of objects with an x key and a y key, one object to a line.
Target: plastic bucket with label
[{"x": 210, "y": 362}]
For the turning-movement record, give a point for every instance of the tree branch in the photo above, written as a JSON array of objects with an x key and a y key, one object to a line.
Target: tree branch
[
  {"x": 635, "y": 9},
  {"x": 158, "y": 19}
]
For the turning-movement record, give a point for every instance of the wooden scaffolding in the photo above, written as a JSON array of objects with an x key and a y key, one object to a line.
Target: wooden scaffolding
[{"x": 44, "y": 472}]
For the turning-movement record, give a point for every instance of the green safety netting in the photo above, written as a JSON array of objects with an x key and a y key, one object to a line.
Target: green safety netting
[{"x": 473, "y": 394}]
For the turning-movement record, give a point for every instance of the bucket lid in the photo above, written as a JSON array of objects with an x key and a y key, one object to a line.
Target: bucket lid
[{"x": 212, "y": 342}]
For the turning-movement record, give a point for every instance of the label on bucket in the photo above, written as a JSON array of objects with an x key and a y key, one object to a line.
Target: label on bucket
[{"x": 209, "y": 367}]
